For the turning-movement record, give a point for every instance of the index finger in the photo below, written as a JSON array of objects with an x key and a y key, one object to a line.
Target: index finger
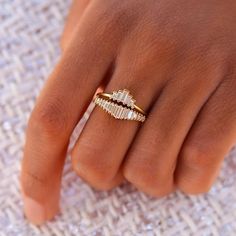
[{"x": 62, "y": 102}]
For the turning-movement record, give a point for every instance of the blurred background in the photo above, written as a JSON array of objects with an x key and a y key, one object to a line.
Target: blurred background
[{"x": 29, "y": 47}]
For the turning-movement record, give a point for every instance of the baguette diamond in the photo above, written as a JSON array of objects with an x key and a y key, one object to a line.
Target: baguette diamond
[
  {"x": 124, "y": 97},
  {"x": 118, "y": 111}
]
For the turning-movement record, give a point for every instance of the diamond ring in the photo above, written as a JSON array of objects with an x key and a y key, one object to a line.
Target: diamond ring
[{"x": 121, "y": 105}]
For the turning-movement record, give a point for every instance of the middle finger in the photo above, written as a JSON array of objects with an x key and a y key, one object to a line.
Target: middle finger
[{"x": 104, "y": 141}]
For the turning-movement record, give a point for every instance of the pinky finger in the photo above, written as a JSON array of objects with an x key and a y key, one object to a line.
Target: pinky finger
[{"x": 210, "y": 139}]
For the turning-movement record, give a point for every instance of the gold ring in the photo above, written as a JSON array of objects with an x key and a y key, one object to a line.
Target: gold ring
[{"x": 121, "y": 105}]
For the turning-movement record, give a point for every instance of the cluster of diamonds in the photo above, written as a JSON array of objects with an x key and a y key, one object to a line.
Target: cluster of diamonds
[
  {"x": 124, "y": 97},
  {"x": 118, "y": 111}
]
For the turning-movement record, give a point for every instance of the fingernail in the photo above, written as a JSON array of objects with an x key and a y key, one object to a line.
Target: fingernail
[{"x": 34, "y": 211}]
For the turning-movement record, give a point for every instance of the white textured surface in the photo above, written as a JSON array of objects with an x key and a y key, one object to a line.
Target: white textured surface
[{"x": 29, "y": 36}]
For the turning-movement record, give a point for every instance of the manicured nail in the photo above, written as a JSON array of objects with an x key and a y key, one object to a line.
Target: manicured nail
[{"x": 34, "y": 211}]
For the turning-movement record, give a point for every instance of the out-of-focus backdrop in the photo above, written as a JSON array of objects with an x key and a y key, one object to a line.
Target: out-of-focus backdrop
[{"x": 29, "y": 48}]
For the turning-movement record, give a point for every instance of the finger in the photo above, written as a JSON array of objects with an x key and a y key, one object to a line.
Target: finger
[
  {"x": 59, "y": 107},
  {"x": 151, "y": 160},
  {"x": 104, "y": 141},
  {"x": 210, "y": 139},
  {"x": 76, "y": 11}
]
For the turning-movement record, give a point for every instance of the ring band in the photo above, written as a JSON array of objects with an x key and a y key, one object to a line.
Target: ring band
[{"x": 121, "y": 105}]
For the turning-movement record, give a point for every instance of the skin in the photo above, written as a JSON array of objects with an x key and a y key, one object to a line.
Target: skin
[{"x": 178, "y": 60}]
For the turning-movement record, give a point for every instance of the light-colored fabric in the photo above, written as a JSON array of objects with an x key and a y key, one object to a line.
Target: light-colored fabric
[{"x": 29, "y": 47}]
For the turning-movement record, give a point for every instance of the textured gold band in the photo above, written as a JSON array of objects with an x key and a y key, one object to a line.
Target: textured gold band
[{"x": 121, "y": 105}]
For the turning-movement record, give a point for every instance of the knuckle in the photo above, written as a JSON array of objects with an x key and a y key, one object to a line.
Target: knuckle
[
  {"x": 220, "y": 58},
  {"x": 148, "y": 182},
  {"x": 96, "y": 173},
  {"x": 49, "y": 119},
  {"x": 94, "y": 179},
  {"x": 117, "y": 17},
  {"x": 196, "y": 171},
  {"x": 32, "y": 185},
  {"x": 141, "y": 178},
  {"x": 117, "y": 11},
  {"x": 197, "y": 156}
]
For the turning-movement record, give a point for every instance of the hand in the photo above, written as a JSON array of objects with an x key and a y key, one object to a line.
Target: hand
[{"x": 178, "y": 60}]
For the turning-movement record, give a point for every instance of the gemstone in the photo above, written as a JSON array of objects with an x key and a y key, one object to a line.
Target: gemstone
[
  {"x": 127, "y": 101},
  {"x": 103, "y": 103},
  {"x": 119, "y": 96},
  {"x": 122, "y": 113},
  {"x": 130, "y": 114},
  {"x": 118, "y": 112},
  {"x": 112, "y": 108},
  {"x": 115, "y": 111},
  {"x": 124, "y": 97},
  {"x": 109, "y": 107},
  {"x": 99, "y": 101}
]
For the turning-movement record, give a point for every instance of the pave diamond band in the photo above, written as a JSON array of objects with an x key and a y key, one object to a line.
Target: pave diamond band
[
  {"x": 118, "y": 111},
  {"x": 121, "y": 105}
]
